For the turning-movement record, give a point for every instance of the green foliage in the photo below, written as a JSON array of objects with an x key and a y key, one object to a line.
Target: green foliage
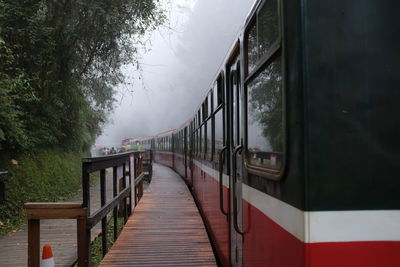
[
  {"x": 59, "y": 63},
  {"x": 265, "y": 98},
  {"x": 47, "y": 175},
  {"x": 96, "y": 251}
]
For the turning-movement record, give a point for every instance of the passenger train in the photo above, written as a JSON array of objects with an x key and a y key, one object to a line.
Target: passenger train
[{"x": 293, "y": 154}]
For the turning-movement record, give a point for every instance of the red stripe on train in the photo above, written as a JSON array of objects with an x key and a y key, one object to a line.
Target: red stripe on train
[
  {"x": 268, "y": 244},
  {"x": 354, "y": 254}
]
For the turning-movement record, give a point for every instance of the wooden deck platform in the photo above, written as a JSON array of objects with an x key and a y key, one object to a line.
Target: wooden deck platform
[
  {"x": 165, "y": 229},
  {"x": 14, "y": 247}
]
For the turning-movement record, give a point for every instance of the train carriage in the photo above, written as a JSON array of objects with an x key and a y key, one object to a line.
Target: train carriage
[{"x": 293, "y": 155}]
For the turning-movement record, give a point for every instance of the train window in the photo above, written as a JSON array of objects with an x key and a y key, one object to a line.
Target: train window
[
  {"x": 209, "y": 140},
  {"x": 201, "y": 139},
  {"x": 210, "y": 103},
  {"x": 187, "y": 144},
  {"x": 199, "y": 117},
  {"x": 205, "y": 109},
  {"x": 182, "y": 141},
  {"x": 218, "y": 133},
  {"x": 265, "y": 118},
  {"x": 201, "y": 142},
  {"x": 252, "y": 53},
  {"x": 267, "y": 26},
  {"x": 262, "y": 33},
  {"x": 179, "y": 142},
  {"x": 215, "y": 95},
  {"x": 220, "y": 84},
  {"x": 196, "y": 143}
]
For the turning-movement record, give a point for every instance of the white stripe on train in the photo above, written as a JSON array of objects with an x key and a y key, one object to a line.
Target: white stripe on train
[{"x": 322, "y": 226}]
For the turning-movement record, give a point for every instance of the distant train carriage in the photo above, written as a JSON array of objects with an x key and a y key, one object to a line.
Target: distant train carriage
[{"x": 293, "y": 156}]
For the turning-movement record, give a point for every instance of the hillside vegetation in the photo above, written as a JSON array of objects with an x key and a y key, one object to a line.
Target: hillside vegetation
[
  {"x": 46, "y": 175},
  {"x": 59, "y": 64}
]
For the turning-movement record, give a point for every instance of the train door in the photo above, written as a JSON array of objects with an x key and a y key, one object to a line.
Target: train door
[{"x": 235, "y": 148}]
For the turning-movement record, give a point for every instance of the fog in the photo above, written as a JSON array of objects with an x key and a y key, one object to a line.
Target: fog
[{"x": 177, "y": 71}]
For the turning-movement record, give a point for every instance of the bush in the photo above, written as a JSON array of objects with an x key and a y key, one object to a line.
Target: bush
[{"x": 47, "y": 175}]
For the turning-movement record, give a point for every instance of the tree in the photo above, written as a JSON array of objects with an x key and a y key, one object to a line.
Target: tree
[{"x": 60, "y": 60}]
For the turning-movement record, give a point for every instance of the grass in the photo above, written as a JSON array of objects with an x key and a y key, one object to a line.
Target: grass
[
  {"x": 46, "y": 175},
  {"x": 96, "y": 249}
]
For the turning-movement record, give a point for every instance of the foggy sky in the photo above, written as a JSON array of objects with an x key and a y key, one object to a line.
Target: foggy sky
[{"x": 183, "y": 60}]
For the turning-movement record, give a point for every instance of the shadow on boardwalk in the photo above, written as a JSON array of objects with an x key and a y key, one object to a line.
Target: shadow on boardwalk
[{"x": 60, "y": 234}]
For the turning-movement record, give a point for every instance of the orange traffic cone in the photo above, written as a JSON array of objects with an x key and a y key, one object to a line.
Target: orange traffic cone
[{"x": 47, "y": 257}]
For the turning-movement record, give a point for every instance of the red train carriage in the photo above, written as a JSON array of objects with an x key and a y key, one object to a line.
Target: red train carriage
[{"x": 293, "y": 156}]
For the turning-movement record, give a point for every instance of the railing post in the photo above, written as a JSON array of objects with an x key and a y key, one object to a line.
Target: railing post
[
  {"x": 103, "y": 202},
  {"x": 115, "y": 211},
  {"x": 33, "y": 243},
  {"x": 134, "y": 180},
  {"x": 83, "y": 242},
  {"x": 86, "y": 205},
  {"x": 86, "y": 187},
  {"x": 130, "y": 183},
  {"x": 124, "y": 186},
  {"x": 140, "y": 170}
]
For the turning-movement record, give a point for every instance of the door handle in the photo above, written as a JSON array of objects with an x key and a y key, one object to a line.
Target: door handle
[
  {"x": 234, "y": 178},
  {"x": 221, "y": 183}
]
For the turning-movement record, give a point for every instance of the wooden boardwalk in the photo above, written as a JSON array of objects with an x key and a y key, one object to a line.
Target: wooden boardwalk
[
  {"x": 165, "y": 229},
  {"x": 60, "y": 234}
]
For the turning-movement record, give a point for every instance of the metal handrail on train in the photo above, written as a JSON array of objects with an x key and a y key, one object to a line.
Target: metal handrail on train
[
  {"x": 234, "y": 178},
  {"x": 221, "y": 182}
]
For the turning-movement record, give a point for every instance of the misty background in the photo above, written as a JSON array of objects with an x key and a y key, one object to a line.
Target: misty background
[{"x": 177, "y": 68}]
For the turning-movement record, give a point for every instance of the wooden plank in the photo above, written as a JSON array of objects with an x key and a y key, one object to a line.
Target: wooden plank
[
  {"x": 50, "y": 213},
  {"x": 53, "y": 205},
  {"x": 165, "y": 229}
]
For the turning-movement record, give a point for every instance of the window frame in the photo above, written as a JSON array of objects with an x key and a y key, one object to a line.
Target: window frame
[
  {"x": 275, "y": 51},
  {"x": 218, "y": 94}
]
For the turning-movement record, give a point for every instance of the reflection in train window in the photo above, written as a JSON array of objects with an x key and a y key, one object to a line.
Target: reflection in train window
[
  {"x": 205, "y": 109},
  {"x": 210, "y": 103},
  {"x": 262, "y": 33},
  {"x": 199, "y": 120},
  {"x": 267, "y": 26},
  {"x": 265, "y": 118},
  {"x": 195, "y": 143},
  {"x": 201, "y": 141},
  {"x": 204, "y": 140},
  {"x": 209, "y": 140},
  {"x": 218, "y": 139},
  {"x": 215, "y": 95},
  {"x": 252, "y": 51}
]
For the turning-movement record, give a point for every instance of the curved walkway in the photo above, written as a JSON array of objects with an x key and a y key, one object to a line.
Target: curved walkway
[{"x": 165, "y": 229}]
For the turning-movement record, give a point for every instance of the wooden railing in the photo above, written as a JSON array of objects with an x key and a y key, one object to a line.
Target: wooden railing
[
  {"x": 127, "y": 167},
  {"x": 40, "y": 211}
]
